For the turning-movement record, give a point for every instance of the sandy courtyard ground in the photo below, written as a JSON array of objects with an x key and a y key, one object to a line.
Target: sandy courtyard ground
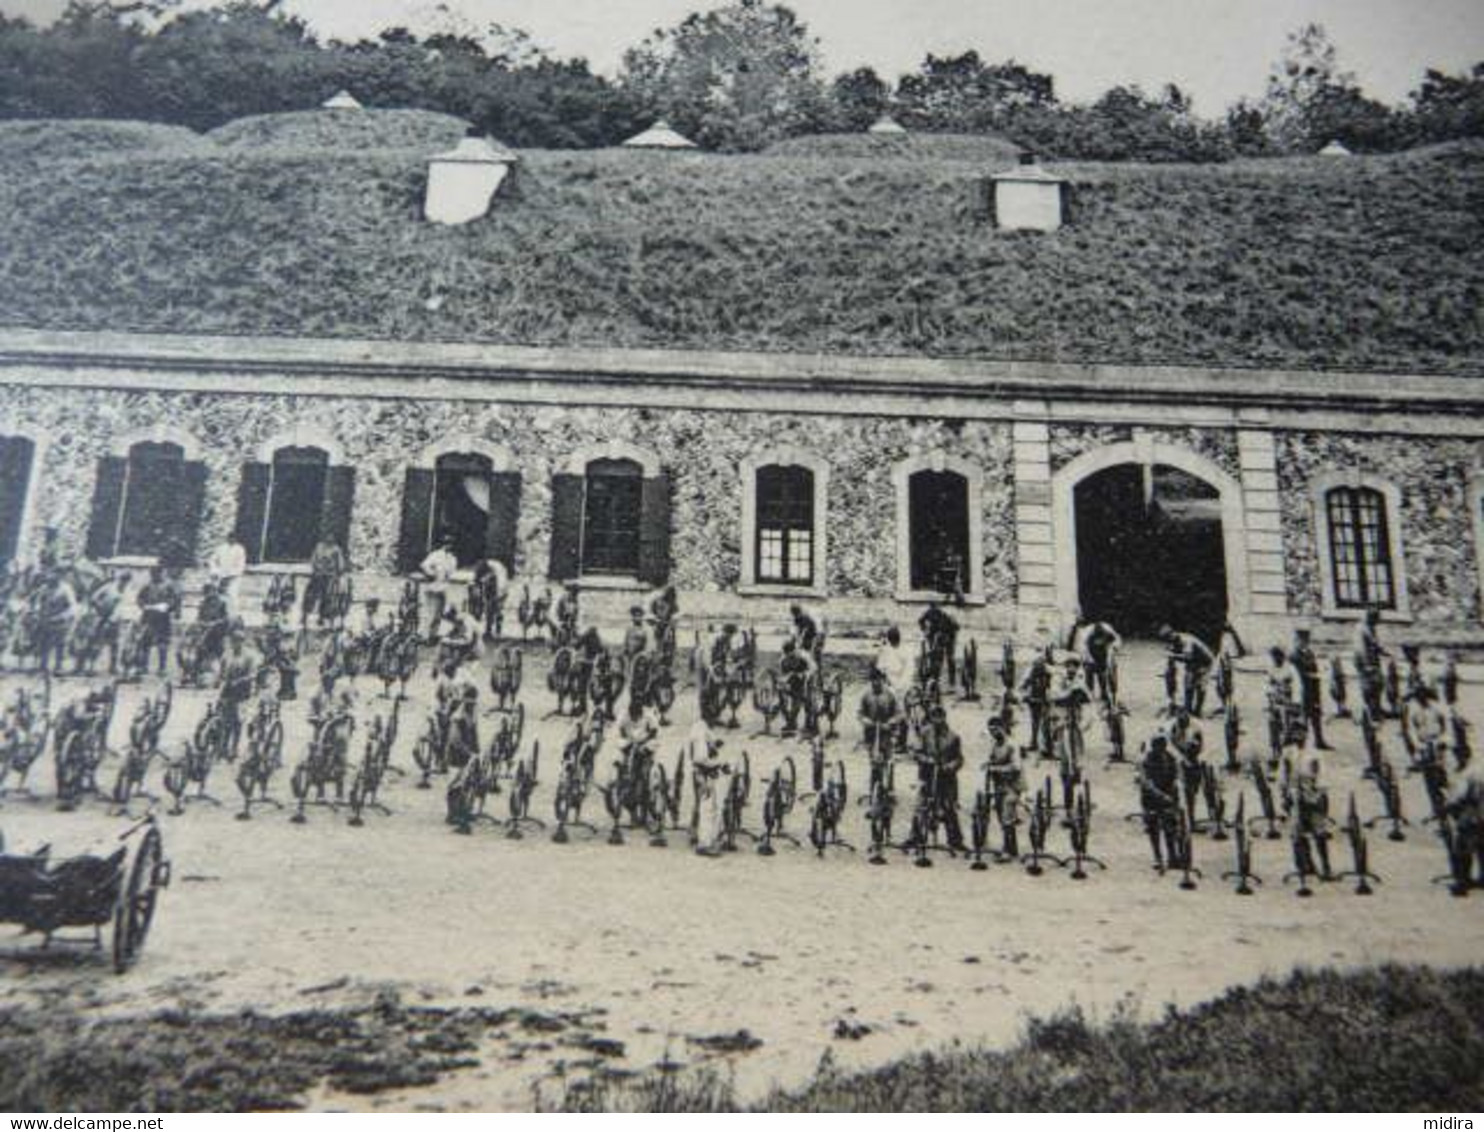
[{"x": 655, "y": 948}]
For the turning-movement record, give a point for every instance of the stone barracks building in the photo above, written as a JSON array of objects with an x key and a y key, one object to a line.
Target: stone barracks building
[{"x": 867, "y": 375}]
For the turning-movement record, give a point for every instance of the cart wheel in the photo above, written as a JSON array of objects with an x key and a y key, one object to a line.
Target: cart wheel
[{"x": 135, "y": 910}]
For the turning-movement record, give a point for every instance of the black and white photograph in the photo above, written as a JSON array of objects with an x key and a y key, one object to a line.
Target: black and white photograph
[{"x": 624, "y": 556}]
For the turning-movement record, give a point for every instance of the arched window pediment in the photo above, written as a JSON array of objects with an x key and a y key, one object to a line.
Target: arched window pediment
[
  {"x": 1357, "y": 524},
  {"x": 785, "y": 530}
]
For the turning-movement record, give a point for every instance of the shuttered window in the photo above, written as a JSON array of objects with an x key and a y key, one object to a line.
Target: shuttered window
[
  {"x": 613, "y": 507},
  {"x": 296, "y": 503},
  {"x": 1360, "y": 548},
  {"x": 148, "y": 504},
  {"x": 17, "y": 454}
]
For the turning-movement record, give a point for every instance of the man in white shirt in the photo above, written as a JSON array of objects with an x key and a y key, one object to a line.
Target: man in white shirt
[
  {"x": 437, "y": 570},
  {"x": 895, "y": 663}
]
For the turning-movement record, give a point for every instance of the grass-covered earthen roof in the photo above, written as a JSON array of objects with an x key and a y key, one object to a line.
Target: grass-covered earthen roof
[{"x": 295, "y": 226}]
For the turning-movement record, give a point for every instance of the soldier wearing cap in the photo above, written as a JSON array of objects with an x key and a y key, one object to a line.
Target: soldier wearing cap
[
  {"x": 938, "y": 764},
  {"x": 1311, "y": 814},
  {"x": 239, "y": 678},
  {"x": 881, "y": 722},
  {"x": 1035, "y": 690},
  {"x": 1197, "y": 659},
  {"x": 1159, "y": 798},
  {"x": 1305, "y": 662},
  {"x": 1006, "y": 781},
  {"x": 1369, "y": 654},
  {"x": 940, "y": 635},
  {"x": 793, "y": 668},
  {"x": 565, "y": 615}
]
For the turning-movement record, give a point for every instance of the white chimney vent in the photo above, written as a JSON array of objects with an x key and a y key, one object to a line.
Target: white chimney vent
[
  {"x": 342, "y": 101},
  {"x": 462, "y": 182},
  {"x": 1028, "y": 198},
  {"x": 660, "y": 136}
]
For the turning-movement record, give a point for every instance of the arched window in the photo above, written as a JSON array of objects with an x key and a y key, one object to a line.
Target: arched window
[
  {"x": 148, "y": 504},
  {"x": 784, "y": 493},
  {"x": 611, "y": 516},
  {"x": 938, "y": 529},
  {"x": 291, "y": 501},
  {"x": 1362, "y": 571},
  {"x": 785, "y": 525},
  {"x": 17, "y": 456},
  {"x": 465, "y": 497}
]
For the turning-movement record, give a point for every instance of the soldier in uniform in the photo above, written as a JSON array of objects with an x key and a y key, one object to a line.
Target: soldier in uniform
[
  {"x": 1097, "y": 642},
  {"x": 239, "y": 679},
  {"x": 806, "y": 631},
  {"x": 1311, "y": 810},
  {"x": 636, "y": 636},
  {"x": 1006, "y": 780},
  {"x": 1311, "y": 691},
  {"x": 105, "y": 602},
  {"x": 1196, "y": 658},
  {"x": 1283, "y": 680},
  {"x": 940, "y": 633},
  {"x": 793, "y": 668},
  {"x": 487, "y": 596},
  {"x": 327, "y": 566},
  {"x": 1466, "y": 810},
  {"x": 566, "y": 614},
  {"x": 1035, "y": 691},
  {"x": 213, "y": 618},
  {"x": 1369, "y": 655},
  {"x": 55, "y": 610},
  {"x": 881, "y": 724},
  {"x": 938, "y": 764},
  {"x": 1159, "y": 798},
  {"x": 277, "y": 658}
]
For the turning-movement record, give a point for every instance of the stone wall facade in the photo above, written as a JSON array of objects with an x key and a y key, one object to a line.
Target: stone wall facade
[
  {"x": 1436, "y": 479},
  {"x": 398, "y": 423},
  {"x": 381, "y": 438}
]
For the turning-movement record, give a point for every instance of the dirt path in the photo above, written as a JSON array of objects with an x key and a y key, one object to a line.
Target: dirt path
[{"x": 659, "y": 947}]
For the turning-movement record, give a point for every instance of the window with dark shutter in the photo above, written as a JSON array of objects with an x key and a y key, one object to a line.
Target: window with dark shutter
[
  {"x": 566, "y": 526},
  {"x": 785, "y": 525},
  {"x": 150, "y": 508},
  {"x": 107, "y": 507},
  {"x": 613, "y": 506},
  {"x": 1360, "y": 548},
  {"x": 417, "y": 519},
  {"x": 298, "y": 480},
  {"x": 504, "y": 518},
  {"x": 461, "y": 505},
  {"x": 16, "y": 456},
  {"x": 252, "y": 508}
]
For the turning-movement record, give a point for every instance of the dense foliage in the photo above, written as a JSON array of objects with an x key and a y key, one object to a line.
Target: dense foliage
[
  {"x": 1374, "y": 263},
  {"x": 738, "y": 77}
]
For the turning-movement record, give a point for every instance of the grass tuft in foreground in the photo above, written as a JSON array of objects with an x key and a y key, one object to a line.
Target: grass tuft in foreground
[{"x": 1393, "y": 1038}]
